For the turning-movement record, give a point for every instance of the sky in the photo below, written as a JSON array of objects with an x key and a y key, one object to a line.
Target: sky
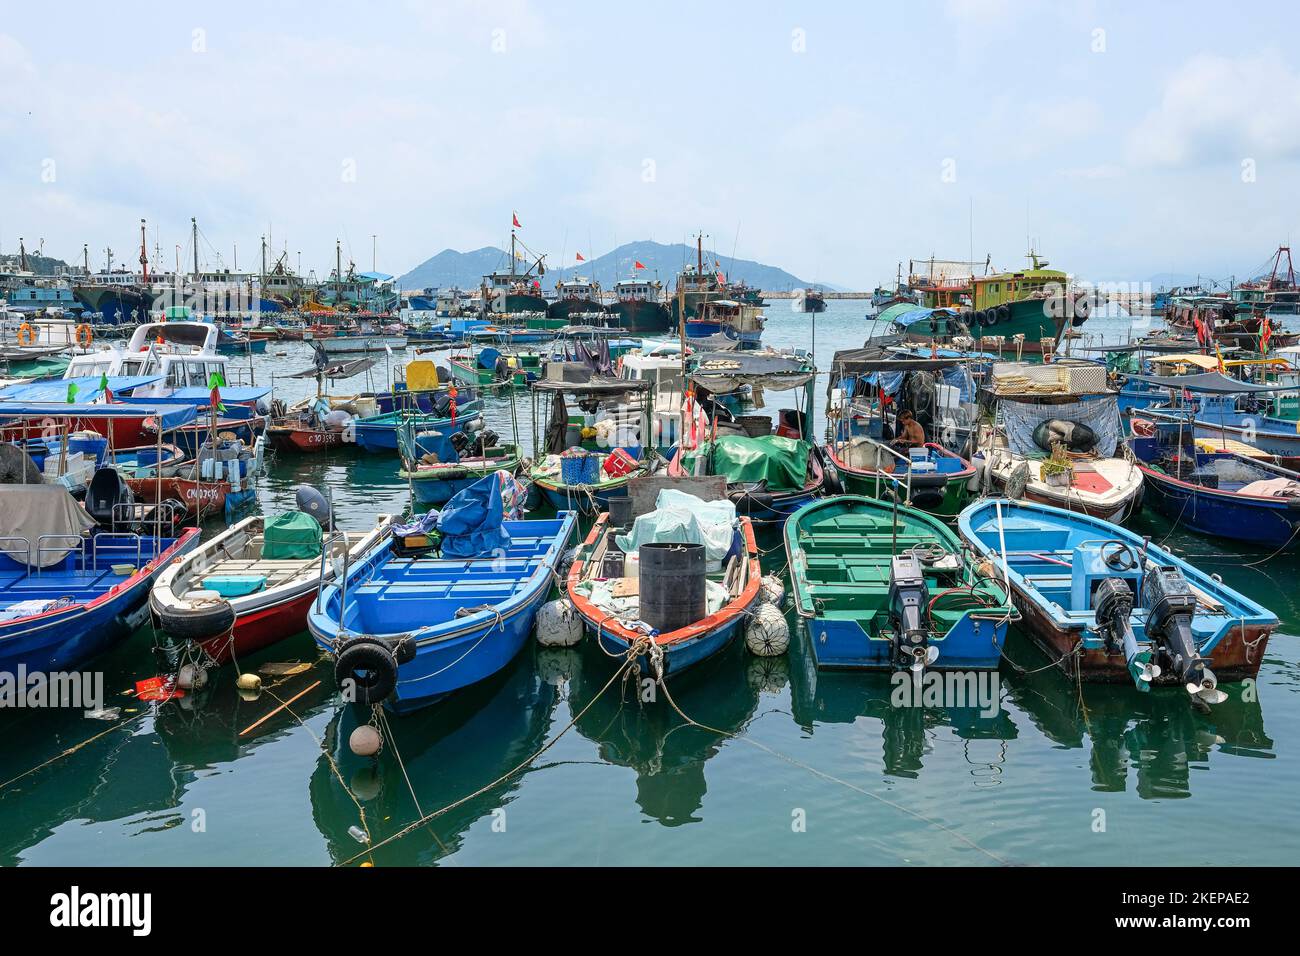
[{"x": 834, "y": 140}]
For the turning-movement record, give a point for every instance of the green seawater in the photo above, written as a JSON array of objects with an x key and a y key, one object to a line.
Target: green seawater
[{"x": 819, "y": 767}]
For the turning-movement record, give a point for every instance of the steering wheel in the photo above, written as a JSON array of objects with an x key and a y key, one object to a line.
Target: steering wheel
[{"x": 1118, "y": 555}]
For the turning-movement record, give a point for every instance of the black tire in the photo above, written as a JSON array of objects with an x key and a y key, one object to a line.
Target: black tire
[
  {"x": 1004, "y": 313},
  {"x": 370, "y": 666},
  {"x": 199, "y": 624}
]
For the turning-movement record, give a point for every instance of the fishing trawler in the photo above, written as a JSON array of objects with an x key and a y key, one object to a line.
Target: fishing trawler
[
  {"x": 638, "y": 306},
  {"x": 576, "y": 296},
  {"x": 513, "y": 291},
  {"x": 1037, "y": 303}
]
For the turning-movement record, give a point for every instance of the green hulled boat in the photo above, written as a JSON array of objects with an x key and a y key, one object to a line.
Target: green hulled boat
[
  {"x": 931, "y": 478},
  {"x": 885, "y": 587},
  {"x": 1036, "y": 302},
  {"x": 483, "y": 369}
]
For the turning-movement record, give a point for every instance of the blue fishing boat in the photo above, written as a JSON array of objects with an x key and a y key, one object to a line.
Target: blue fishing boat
[
  {"x": 886, "y": 587},
  {"x": 67, "y": 590},
  {"x": 379, "y": 433},
  {"x": 1229, "y": 409},
  {"x": 1232, "y": 494},
  {"x": 413, "y": 621},
  {"x": 230, "y": 343},
  {"x": 1107, "y": 605}
]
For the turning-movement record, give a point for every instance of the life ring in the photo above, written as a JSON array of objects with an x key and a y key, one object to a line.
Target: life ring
[
  {"x": 26, "y": 334},
  {"x": 370, "y": 667},
  {"x": 85, "y": 335}
]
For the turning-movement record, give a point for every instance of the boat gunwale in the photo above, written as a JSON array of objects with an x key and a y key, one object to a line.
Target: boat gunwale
[{"x": 609, "y": 626}]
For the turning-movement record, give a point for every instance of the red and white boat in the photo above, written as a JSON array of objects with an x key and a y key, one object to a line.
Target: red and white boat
[{"x": 237, "y": 593}]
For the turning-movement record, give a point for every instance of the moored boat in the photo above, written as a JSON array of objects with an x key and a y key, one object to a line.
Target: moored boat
[
  {"x": 253, "y": 584},
  {"x": 610, "y": 585},
  {"x": 407, "y": 628},
  {"x": 1107, "y": 605},
  {"x": 886, "y": 587},
  {"x": 1056, "y": 440},
  {"x": 67, "y": 590},
  {"x": 1216, "y": 491},
  {"x": 930, "y": 477}
]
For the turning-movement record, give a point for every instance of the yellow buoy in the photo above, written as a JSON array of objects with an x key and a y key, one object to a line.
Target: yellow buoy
[{"x": 249, "y": 682}]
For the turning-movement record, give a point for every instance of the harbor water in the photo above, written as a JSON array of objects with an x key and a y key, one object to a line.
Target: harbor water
[{"x": 791, "y": 765}]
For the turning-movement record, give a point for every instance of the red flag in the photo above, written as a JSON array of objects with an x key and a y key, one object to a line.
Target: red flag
[
  {"x": 638, "y": 265},
  {"x": 515, "y": 219},
  {"x": 580, "y": 259}
]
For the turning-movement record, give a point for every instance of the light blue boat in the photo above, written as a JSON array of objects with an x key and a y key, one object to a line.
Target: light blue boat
[
  {"x": 1107, "y": 605},
  {"x": 379, "y": 433},
  {"x": 407, "y": 629}
]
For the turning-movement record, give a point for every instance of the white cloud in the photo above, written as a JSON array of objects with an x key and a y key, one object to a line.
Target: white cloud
[{"x": 1217, "y": 108}]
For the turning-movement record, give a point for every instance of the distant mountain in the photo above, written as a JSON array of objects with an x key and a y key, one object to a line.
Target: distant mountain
[
  {"x": 464, "y": 269},
  {"x": 449, "y": 267}
]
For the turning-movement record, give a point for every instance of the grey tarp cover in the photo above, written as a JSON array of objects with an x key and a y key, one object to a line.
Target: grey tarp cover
[
  {"x": 727, "y": 371},
  {"x": 1210, "y": 382},
  {"x": 31, "y": 511}
]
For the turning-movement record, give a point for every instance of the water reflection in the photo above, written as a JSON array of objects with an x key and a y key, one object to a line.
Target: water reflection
[
  {"x": 1154, "y": 738},
  {"x": 449, "y": 750},
  {"x": 649, "y": 737},
  {"x": 843, "y": 697}
]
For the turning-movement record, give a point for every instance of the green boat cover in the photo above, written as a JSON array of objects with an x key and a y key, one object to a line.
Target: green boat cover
[
  {"x": 294, "y": 535},
  {"x": 781, "y": 462}
]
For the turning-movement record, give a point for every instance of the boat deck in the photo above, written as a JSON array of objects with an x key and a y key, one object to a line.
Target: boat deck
[{"x": 406, "y": 593}]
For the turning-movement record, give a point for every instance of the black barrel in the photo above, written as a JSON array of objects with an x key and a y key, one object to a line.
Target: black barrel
[
  {"x": 620, "y": 512},
  {"x": 672, "y": 585}
]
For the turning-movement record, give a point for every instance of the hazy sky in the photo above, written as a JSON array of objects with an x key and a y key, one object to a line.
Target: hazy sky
[{"x": 832, "y": 139}]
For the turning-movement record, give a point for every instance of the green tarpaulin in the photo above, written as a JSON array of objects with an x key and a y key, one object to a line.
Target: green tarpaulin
[
  {"x": 292, "y": 536},
  {"x": 781, "y": 462}
]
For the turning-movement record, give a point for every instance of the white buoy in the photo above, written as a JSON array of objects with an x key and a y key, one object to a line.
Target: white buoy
[
  {"x": 365, "y": 741},
  {"x": 190, "y": 677},
  {"x": 766, "y": 632},
  {"x": 771, "y": 590},
  {"x": 558, "y": 624}
]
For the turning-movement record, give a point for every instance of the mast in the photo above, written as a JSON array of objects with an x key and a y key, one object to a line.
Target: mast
[
  {"x": 338, "y": 271},
  {"x": 22, "y": 255},
  {"x": 85, "y": 258},
  {"x": 144, "y": 256},
  {"x": 264, "y": 260},
  {"x": 194, "y": 237},
  {"x": 512, "y": 252}
]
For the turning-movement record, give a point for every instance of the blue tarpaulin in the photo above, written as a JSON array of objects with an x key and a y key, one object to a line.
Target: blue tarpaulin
[
  {"x": 56, "y": 390},
  {"x": 471, "y": 523},
  {"x": 171, "y": 416}
]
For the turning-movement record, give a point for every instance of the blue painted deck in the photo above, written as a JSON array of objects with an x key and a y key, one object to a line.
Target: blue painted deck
[
  {"x": 96, "y": 617},
  {"x": 390, "y": 596}
]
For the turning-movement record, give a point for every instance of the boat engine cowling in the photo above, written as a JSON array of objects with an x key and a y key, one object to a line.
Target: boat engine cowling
[
  {"x": 908, "y": 603},
  {"x": 1114, "y": 604},
  {"x": 1171, "y": 604}
]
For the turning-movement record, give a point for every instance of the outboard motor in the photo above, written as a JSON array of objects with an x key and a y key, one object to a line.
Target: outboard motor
[
  {"x": 1114, "y": 603},
  {"x": 1171, "y": 603},
  {"x": 908, "y": 601},
  {"x": 310, "y": 501},
  {"x": 107, "y": 490}
]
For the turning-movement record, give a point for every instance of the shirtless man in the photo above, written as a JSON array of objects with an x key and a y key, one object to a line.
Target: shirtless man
[{"x": 909, "y": 431}]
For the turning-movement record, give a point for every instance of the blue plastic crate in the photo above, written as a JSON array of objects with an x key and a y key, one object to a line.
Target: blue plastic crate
[{"x": 580, "y": 469}]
